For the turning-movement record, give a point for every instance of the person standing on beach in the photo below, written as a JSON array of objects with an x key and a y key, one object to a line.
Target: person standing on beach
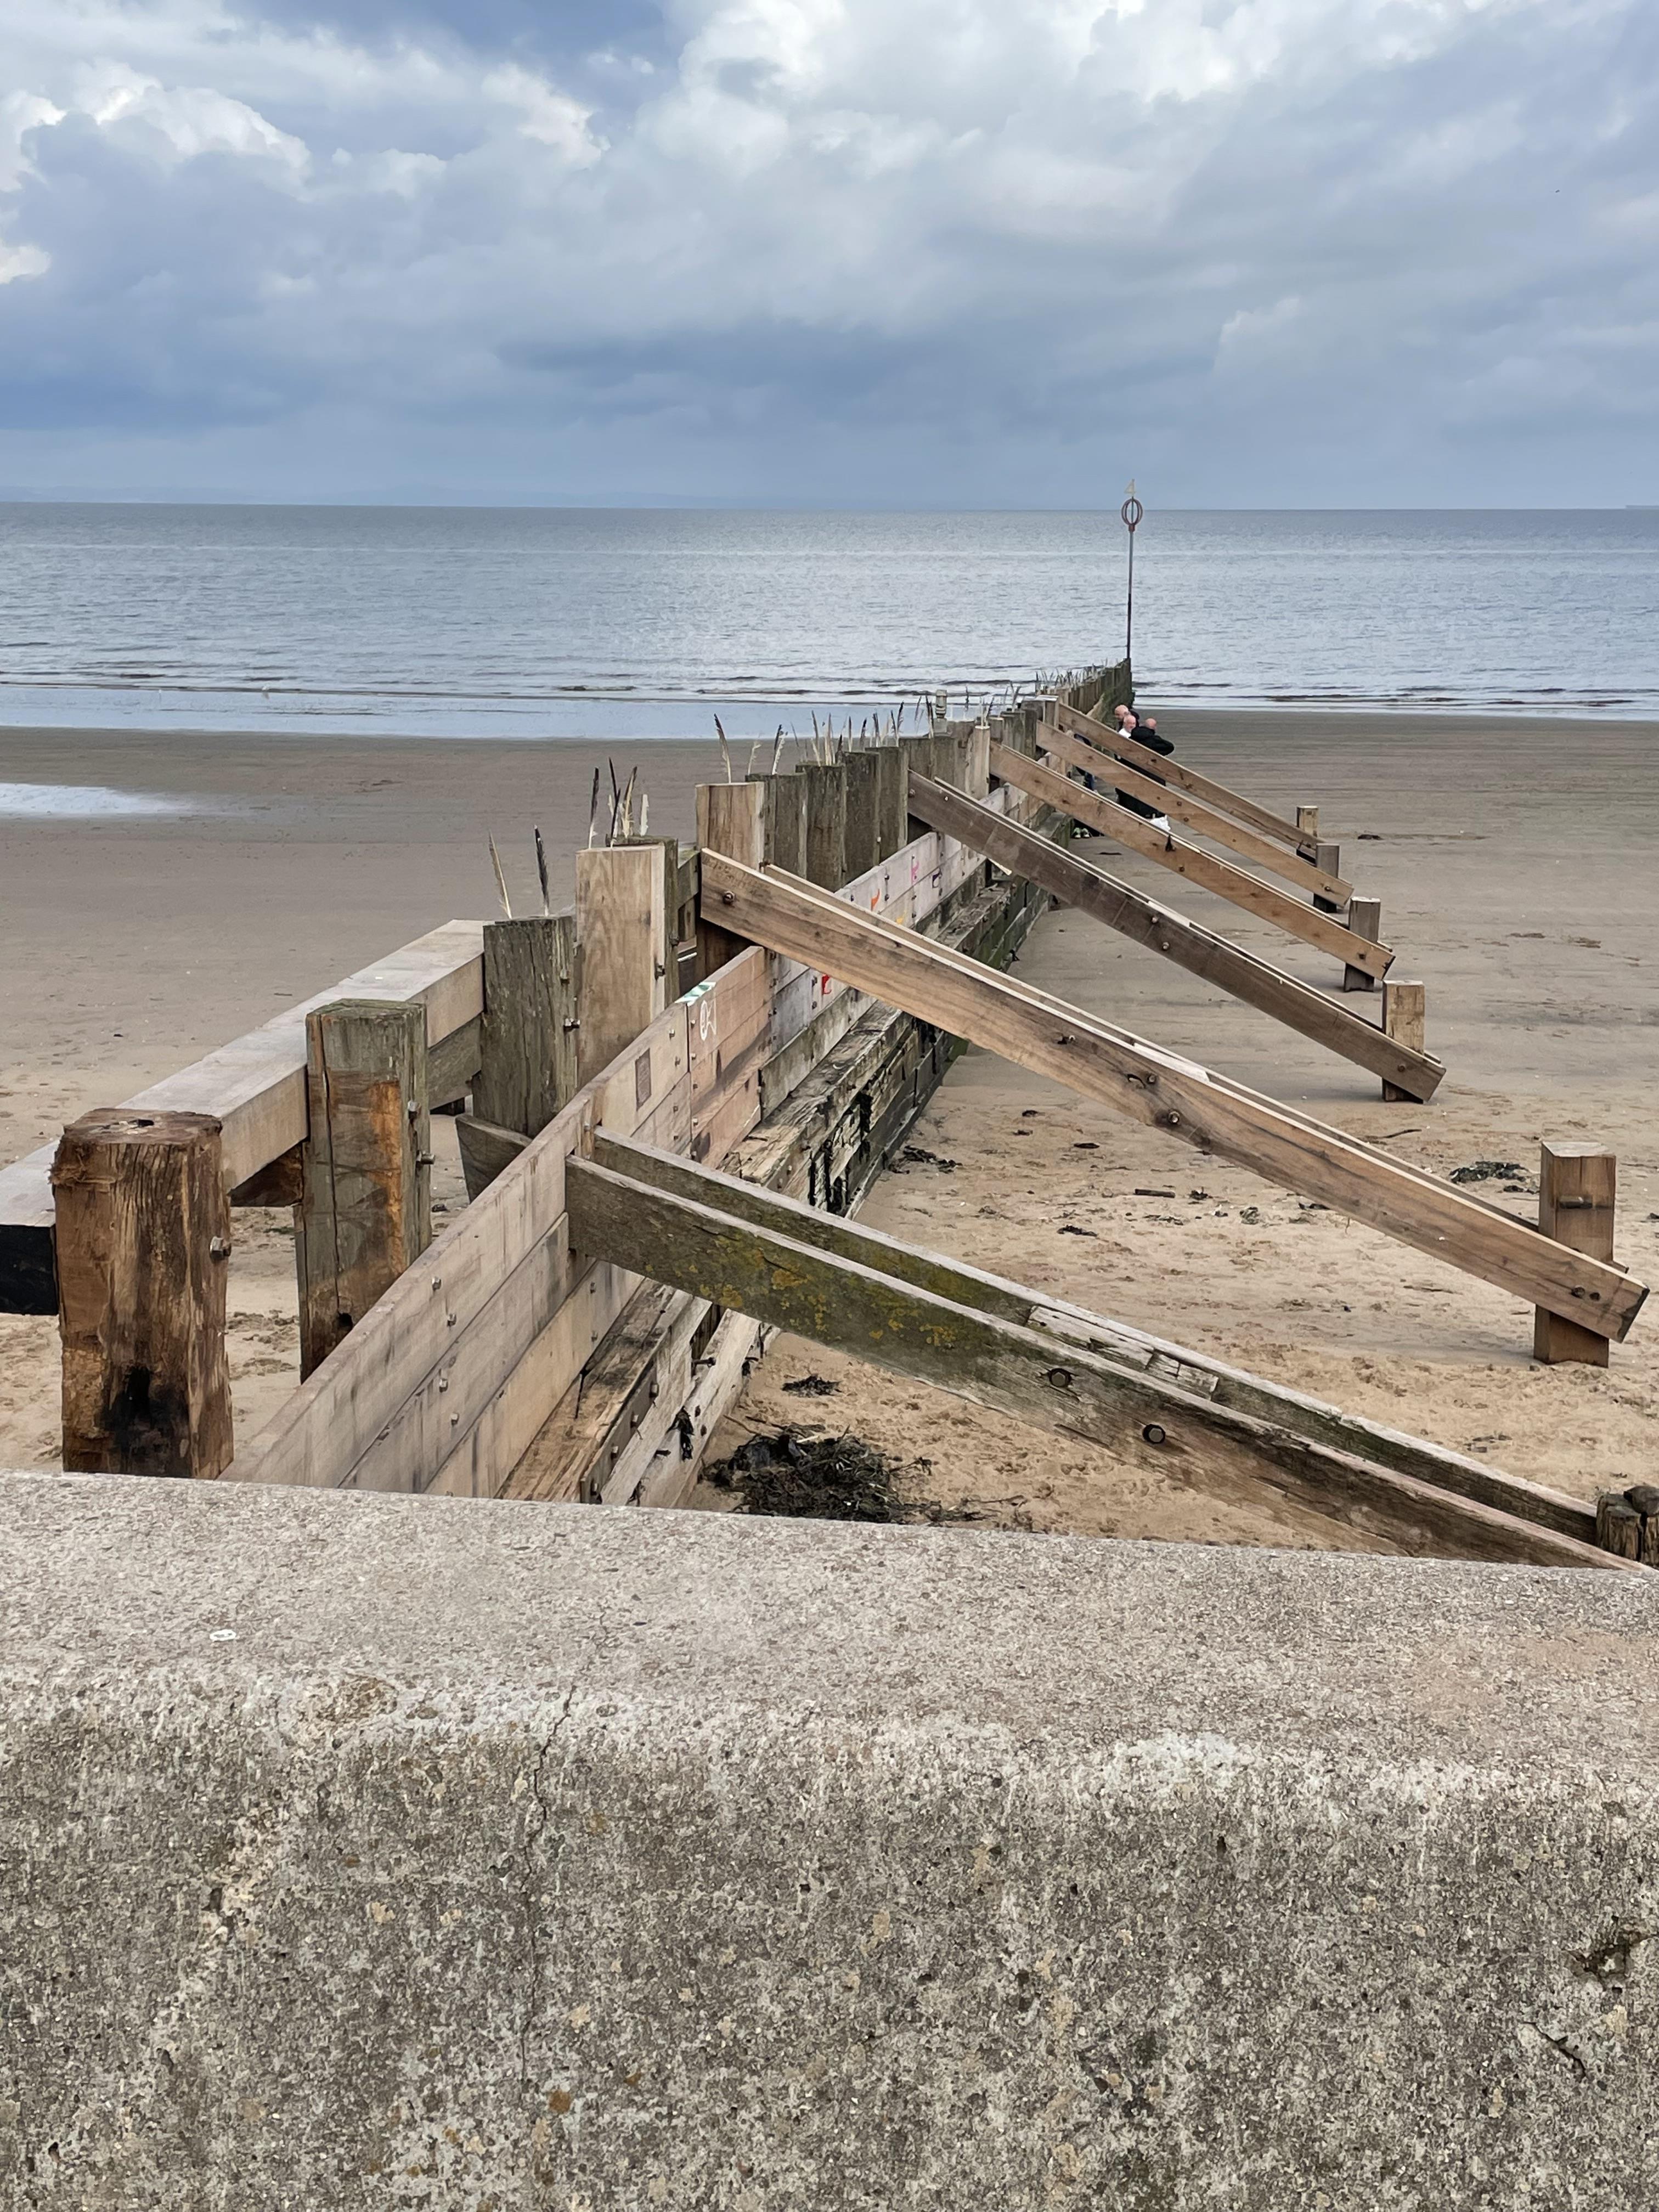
[{"x": 1144, "y": 732}]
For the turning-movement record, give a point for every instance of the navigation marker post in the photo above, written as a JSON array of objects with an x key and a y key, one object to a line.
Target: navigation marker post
[{"x": 1132, "y": 512}]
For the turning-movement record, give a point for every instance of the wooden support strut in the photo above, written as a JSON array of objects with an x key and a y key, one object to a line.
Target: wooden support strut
[
  {"x": 861, "y": 1306},
  {"x": 1404, "y": 1017},
  {"x": 1205, "y": 821},
  {"x": 1206, "y": 870},
  {"x": 1171, "y": 771},
  {"x": 1165, "y": 1090},
  {"x": 143, "y": 1248},
  {"x": 1079, "y": 884},
  {"x": 365, "y": 1211}
]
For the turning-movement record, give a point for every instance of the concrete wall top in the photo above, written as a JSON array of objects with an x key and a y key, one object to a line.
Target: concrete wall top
[{"x": 376, "y": 1850}]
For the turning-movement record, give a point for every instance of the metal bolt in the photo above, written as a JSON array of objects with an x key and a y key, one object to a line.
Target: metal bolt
[
  {"x": 219, "y": 1249},
  {"x": 1153, "y": 1434}
]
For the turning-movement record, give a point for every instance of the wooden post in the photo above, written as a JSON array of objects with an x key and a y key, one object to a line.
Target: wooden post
[
  {"x": 527, "y": 1041},
  {"x": 730, "y": 819},
  {"x": 1577, "y": 1188},
  {"x": 143, "y": 1246},
  {"x": 862, "y": 851},
  {"x": 623, "y": 928},
  {"x": 826, "y": 824},
  {"x": 976, "y": 761},
  {"x": 892, "y": 784},
  {"x": 918, "y": 755},
  {"x": 784, "y": 816},
  {"x": 1365, "y": 920},
  {"x": 1327, "y": 859},
  {"x": 1404, "y": 1019},
  {"x": 1307, "y": 821},
  {"x": 365, "y": 1212}
]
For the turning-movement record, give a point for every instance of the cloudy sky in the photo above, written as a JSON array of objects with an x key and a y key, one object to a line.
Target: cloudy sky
[{"x": 943, "y": 251}]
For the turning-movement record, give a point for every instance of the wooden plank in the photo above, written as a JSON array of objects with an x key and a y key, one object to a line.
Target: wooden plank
[
  {"x": 826, "y": 823},
  {"x": 892, "y": 777},
  {"x": 622, "y": 927},
  {"x": 1577, "y": 1193},
  {"x": 365, "y": 1210},
  {"x": 862, "y": 847},
  {"x": 486, "y": 1150},
  {"x": 1100, "y": 731},
  {"x": 718, "y": 1378},
  {"x": 730, "y": 819},
  {"x": 784, "y": 821},
  {"x": 1090, "y": 888},
  {"x": 1193, "y": 1372},
  {"x": 1204, "y": 870},
  {"x": 1133, "y": 1412},
  {"x": 573, "y": 1454},
  {"x": 144, "y": 1242},
  {"x": 527, "y": 1045},
  {"x": 255, "y": 1087},
  {"x": 1404, "y": 1015},
  {"x": 1205, "y": 821},
  {"x": 1165, "y": 1090}
]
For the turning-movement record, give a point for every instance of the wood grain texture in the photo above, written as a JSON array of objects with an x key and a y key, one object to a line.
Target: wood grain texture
[
  {"x": 1135, "y": 1413},
  {"x": 1090, "y": 888},
  {"x": 862, "y": 845},
  {"x": 1364, "y": 918},
  {"x": 622, "y": 924},
  {"x": 1404, "y": 1016},
  {"x": 784, "y": 822},
  {"x": 1196, "y": 1372},
  {"x": 892, "y": 778},
  {"x": 255, "y": 1087},
  {"x": 528, "y": 1042},
  {"x": 143, "y": 1246},
  {"x": 365, "y": 1212},
  {"x": 1101, "y": 732},
  {"x": 826, "y": 823},
  {"x": 1577, "y": 1194},
  {"x": 1206, "y": 822},
  {"x": 1206, "y": 870},
  {"x": 730, "y": 819},
  {"x": 1165, "y": 1090}
]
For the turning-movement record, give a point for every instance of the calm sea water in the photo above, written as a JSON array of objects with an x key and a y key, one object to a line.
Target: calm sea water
[{"x": 527, "y": 621}]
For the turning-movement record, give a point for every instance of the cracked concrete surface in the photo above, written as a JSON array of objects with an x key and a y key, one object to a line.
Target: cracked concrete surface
[{"x": 369, "y": 1851}]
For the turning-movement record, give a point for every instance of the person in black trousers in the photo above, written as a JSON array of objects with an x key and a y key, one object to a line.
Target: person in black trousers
[{"x": 1144, "y": 731}]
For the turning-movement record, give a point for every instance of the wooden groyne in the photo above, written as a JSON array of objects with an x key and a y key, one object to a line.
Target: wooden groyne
[{"x": 669, "y": 1100}]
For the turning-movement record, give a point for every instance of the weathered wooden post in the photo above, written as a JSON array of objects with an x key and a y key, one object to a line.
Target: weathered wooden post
[
  {"x": 862, "y": 848},
  {"x": 1307, "y": 824},
  {"x": 625, "y": 929},
  {"x": 1327, "y": 859},
  {"x": 527, "y": 1040},
  {"x": 826, "y": 823},
  {"x": 1577, "y": 1185},
  {"x": 731, "y": 820},
  {"x": 784, "y": 821},
  {"x": 1365, "y": 920},
  {"x": 365, "y": 1210},
  {"x": 1405, "y": 1019},
  {"x": 976, "y": 761},
  {"x": 892, "y": 786},
  {"x": 142, "y": 1226}
]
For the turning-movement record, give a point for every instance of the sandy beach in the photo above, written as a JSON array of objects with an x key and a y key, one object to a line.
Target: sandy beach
[{"x": 1514, "y": 863}]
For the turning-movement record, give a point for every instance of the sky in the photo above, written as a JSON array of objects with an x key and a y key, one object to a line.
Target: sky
[{"x": 883, "y": 252}]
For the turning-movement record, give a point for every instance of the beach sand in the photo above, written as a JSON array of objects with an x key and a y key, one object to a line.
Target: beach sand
[{"x": 1514, "y": 861}]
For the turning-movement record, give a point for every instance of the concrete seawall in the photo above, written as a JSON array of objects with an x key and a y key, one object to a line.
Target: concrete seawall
[{"x": 375, "y": 1851}]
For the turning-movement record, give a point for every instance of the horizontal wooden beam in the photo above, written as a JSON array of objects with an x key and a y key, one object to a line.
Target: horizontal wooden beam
[
  {"x": 1136, "y": 1414},
  {"x": 1207, "y": 871},
  {"x": 1195, "y": 1372},
  {"x": 1078, "y": 883},
  {"x": 1167, "y": 1091},
  {"x": 1100, "y": 731},
  {"x": 255, "y": 1087}
]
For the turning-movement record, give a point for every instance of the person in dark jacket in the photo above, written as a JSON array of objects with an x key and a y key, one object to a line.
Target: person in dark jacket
[{"x": 1144, "y": 731}]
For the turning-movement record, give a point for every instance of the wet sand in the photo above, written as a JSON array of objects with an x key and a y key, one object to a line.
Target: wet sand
[{"x": 1514, "y": 864}]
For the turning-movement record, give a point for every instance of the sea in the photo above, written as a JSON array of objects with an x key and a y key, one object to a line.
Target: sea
[{"x": 548, "y": 622}]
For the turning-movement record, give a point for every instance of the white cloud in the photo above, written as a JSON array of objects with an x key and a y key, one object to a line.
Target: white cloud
[{"x": 930, "y": 248}]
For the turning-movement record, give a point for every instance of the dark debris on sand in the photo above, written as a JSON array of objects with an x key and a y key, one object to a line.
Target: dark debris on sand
[{"x": 812, "y": 1478}]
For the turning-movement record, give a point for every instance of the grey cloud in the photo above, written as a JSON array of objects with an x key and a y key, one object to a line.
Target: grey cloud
[{"x": 1296, "y": 250}]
